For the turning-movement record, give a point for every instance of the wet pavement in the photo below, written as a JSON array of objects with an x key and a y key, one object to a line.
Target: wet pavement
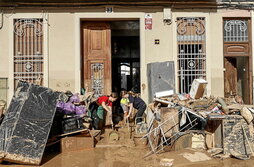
[
  {"x": 129, "y": 157},
  {"x": 123, "y": 153}
]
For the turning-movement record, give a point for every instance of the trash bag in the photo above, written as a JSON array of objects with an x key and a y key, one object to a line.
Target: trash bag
[{"x": 74, "y": 98}]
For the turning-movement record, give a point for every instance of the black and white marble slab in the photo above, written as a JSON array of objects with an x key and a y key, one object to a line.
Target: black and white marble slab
[
  {"x": 33, "y": 109},
  {"x": 11, "y": 116}
]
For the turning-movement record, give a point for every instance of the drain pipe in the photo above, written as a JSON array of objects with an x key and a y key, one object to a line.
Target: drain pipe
[{"x": 1, "y": 20}]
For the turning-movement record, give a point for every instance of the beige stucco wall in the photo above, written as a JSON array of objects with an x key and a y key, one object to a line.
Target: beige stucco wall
[
  {"x": 215, "y": 62},
  {"x": 63, "y": 46},
  {"x": 163, "y": 32},
  {"x": 61, "y": 51},
  {"x": 4, "y": 49}
]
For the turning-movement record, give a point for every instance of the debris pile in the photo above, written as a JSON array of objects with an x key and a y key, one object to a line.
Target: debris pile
[
  {"x": 223, "y": 126},
  {"x": 38, "y": 117}
]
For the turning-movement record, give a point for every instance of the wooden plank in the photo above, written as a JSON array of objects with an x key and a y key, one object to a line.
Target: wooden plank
[
  {"x": 78, "y": 131},
  {"x": 172, "y": 126}
]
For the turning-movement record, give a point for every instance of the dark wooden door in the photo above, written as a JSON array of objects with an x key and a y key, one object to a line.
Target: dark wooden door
[
  {"x": 97, "y": 57},
  {"x": 230, "y": 77}
]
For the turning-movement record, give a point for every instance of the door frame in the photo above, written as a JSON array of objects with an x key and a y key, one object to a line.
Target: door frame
[
  {"x": 250, "y": 59},
  {"x": 80, "y": 17}
]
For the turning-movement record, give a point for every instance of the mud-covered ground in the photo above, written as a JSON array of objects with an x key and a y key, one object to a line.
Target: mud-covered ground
[
  {"x": 130, "y": 157},
  {"x": 124, "y": 153}
]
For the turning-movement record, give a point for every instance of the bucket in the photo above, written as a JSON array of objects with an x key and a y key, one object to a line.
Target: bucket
[{"x": 139, "y": 141}]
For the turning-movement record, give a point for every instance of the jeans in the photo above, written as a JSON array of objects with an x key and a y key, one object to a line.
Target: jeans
[{"x": 140, "y": 113}]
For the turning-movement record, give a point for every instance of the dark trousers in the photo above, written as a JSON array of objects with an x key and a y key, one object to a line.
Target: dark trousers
[
  {"x": 140, "y": 113},
  {"x": 95, "y": 119}
]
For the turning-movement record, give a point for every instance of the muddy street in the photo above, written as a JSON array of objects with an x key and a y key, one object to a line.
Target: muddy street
[{"x": 129, "y": 157}]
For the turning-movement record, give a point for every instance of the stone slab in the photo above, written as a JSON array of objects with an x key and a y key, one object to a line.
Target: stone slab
[
  {"x": 30, "y": 117},
  {"x": 161, "y": 77}
]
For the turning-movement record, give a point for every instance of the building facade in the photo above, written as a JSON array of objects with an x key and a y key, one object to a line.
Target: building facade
[{"x": 107, "y": 46}]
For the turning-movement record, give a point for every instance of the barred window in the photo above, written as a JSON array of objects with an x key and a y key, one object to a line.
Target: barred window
[
  {"x": 28, "y": 50},
  {"x": 191, "y": 51},
  {"x": 235, "y": 30}
]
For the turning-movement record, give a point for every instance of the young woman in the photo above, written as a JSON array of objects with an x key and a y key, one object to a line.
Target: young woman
[
  {"x": 135, "y": 102},
  {"x": 96, "y": 109}
]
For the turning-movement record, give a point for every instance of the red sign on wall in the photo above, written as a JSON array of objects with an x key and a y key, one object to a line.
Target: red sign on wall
[{"x": 148, "y": 21}]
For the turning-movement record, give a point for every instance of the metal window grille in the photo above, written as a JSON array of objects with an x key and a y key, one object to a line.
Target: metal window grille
[
  {"x": 191, "y": 51},
  {"x": 3, "y": 88},
  {"x": 28, "y": 50},
  {"x": 235, "y": 30},
  {"x": 97, "y": 78}
]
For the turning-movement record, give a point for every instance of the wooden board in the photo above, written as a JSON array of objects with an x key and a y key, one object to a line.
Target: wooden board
[
  {"x": 170, "y": 127},
  {"x": 30, "y": 130},
  {"x": 230, "y": 77},
  {"x": 76, "y": 143}
]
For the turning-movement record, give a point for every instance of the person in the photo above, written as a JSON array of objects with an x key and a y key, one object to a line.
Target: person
[
  {"x": 124, "y": 104},
  {"x": 97, "y": 107},
  {"x": 137, "y": 103}
]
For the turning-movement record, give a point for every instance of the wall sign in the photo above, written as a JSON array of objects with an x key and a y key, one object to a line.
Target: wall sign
[
  {"x": 156, "y": 41},
  {"x": 109, "y": 9},
  {"x": 148, "y": 21}
]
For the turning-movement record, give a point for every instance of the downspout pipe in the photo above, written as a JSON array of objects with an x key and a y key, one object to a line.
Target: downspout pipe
[{"x": 1, "y": 20}]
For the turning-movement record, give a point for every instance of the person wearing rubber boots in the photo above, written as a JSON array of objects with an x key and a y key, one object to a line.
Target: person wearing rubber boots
[{"x": 97, "y": 108}]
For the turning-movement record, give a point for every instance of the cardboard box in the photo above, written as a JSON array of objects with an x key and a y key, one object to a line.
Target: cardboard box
[
  {"x": 76, "y": 143},
  {"x": 198, "y": 88}
]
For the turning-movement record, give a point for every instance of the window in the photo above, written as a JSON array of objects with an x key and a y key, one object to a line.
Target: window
[
  {"x": 28, "y": 50},
  {"x": 191, "y": 51},
  {"x": 235, "y": 30}
]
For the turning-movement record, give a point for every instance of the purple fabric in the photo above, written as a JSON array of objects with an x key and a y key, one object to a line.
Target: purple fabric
[
  {"x": 74, "y": 98},
  {"x": 80, "y": 110},
  {"x": 70, "y": 108}
]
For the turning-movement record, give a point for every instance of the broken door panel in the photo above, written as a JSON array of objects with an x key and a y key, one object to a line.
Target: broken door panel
[{"x": 230, "y": 77}]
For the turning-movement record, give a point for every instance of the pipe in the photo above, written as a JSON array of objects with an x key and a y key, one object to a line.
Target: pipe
[{"x": 1, "y": 20}]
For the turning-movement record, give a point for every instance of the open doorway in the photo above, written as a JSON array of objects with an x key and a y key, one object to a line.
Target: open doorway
[
  {"x": 125, "y": 49},
  {"x": 237, "y": 77},
  {"x": 110, "y": 56},
  {"x": 237, "y": 58}
]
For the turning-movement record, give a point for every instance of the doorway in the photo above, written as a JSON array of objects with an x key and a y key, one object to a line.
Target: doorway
[
  {"x": 237, "y": 59},
  {"x": 110, "y": 56},
  {"x": 237, "y": 77}
]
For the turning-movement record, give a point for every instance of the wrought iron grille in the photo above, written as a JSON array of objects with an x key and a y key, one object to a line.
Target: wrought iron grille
[
  {"x": 191, "y": 51},
  {"x": 3, "y": 88},
  {"x": 235, "y": 30},
  {"x": 97, "y": 78},
  {"x": 28, "y": 50}
]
